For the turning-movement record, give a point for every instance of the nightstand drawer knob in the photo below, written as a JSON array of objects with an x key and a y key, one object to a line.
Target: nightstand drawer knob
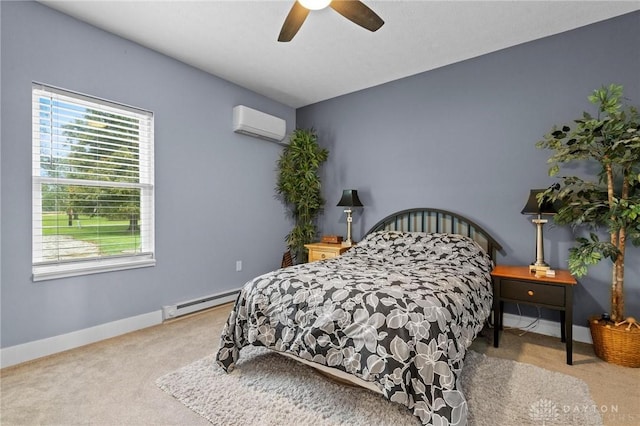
[
  {"x": 323, "y": 255},
  {"x": 530, "y": 292}
]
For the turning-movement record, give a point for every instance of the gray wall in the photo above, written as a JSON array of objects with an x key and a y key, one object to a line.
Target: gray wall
[
  {"x": 214, "y": 189},
  {"x": 462, "y": 138}
]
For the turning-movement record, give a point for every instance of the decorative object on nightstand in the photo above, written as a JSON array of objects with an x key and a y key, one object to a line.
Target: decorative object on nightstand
[
  {"x": 331, "y": 239},
  {"x": 517, "y": 284},
  {"x": 349, "y": 200},
  {"x": 322, "y": 251},
  {"x": 535, "y": 208}
]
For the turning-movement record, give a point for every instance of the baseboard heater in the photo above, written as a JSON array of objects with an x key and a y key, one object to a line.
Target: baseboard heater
[{"x": 195, "y": 305}]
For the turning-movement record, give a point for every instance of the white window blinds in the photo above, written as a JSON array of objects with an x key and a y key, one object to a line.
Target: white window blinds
[{"x": 93, "y": 192}]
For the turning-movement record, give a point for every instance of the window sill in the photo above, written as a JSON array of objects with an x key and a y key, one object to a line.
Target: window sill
[{"x": 64, "y": 270}]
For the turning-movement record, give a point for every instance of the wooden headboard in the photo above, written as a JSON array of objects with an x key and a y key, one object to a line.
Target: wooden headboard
[{"x": 436, "y": 220}]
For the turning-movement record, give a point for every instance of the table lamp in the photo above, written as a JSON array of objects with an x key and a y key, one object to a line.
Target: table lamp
[
  {"x": 534, "y": 208},
  {"x": 349, "y": 199}
]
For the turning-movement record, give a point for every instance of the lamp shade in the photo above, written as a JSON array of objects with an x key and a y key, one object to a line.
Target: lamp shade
[
  {"x": 532, "y": 206},
  {"x": 349, "y": 199}
]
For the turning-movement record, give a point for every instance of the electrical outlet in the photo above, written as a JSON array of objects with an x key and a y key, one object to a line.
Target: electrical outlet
[{"x": 238, "y": 265}]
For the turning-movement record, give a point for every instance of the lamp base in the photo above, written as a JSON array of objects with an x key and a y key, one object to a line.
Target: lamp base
[{"x": 347, "y": 243}]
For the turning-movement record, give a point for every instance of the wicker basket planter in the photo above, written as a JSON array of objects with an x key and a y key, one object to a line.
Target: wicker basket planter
[{"x": 616, "y": 345}]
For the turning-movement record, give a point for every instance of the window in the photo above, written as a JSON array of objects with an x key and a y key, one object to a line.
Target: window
[{"x": 93, "y": 194}]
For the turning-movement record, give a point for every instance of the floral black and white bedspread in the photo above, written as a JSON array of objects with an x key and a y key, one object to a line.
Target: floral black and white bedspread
[{"x": 399, "y": 310}]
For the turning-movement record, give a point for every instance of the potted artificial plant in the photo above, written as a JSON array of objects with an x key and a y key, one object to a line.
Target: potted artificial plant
[
  {"x": 299, "y": 187},
  {"x": 609, "y": 201}
]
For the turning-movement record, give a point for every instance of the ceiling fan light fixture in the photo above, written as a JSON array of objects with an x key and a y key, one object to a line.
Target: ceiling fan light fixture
[
  {"x": 354, "y": 10},
  {"x": 314, "y": 4}
]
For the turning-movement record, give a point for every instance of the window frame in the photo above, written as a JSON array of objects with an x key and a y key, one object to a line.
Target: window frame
[{"x": 60, "y": 268}]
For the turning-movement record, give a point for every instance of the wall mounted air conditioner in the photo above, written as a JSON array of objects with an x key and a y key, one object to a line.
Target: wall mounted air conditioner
[{"x": 255, "y": 123}]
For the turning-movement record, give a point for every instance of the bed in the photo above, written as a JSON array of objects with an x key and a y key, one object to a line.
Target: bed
[{"x": 395, "y": 313}]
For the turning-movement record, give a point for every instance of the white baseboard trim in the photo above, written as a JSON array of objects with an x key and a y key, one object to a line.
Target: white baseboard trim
[
  {"x": 37, "y": 349},
  {"x": 547, "y": 327}
]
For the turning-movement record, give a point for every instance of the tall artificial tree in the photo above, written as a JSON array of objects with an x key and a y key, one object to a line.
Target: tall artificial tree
[
  {"x": 299, "y": 187},
  {"x": 607, "y": 200}
]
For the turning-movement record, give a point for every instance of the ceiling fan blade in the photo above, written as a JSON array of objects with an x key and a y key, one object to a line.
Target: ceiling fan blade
[
  {"x": 293, "y": 22},
  {"x": 358, "y": 12}
]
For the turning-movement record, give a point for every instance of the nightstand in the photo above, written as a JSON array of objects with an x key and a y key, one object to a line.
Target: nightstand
[
  {"x": 321, "y": 251},
  {"x": 516, "y": 284}
]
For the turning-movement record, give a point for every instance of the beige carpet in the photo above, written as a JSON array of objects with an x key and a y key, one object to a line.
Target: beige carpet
[
  {"x": 113, "y": 382},
  {"x": 269, "y": 389}
]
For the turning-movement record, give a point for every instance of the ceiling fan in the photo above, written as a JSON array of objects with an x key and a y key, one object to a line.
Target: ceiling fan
[{"x": 353, "y": 10}]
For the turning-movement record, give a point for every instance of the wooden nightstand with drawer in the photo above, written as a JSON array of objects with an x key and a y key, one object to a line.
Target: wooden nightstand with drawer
[
  {"x": 516, "y": 284},
  {"x": 321, "y": 251}
]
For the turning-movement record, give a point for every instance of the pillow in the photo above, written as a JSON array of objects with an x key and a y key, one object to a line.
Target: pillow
[{"x": 412, "y": 248}]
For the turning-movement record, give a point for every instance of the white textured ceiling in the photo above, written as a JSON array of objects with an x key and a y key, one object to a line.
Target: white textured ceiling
[{"x": 330, "y": 56}]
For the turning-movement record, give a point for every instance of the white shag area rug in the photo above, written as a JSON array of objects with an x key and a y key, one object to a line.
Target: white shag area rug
[{"x": 269, "y": 389}]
